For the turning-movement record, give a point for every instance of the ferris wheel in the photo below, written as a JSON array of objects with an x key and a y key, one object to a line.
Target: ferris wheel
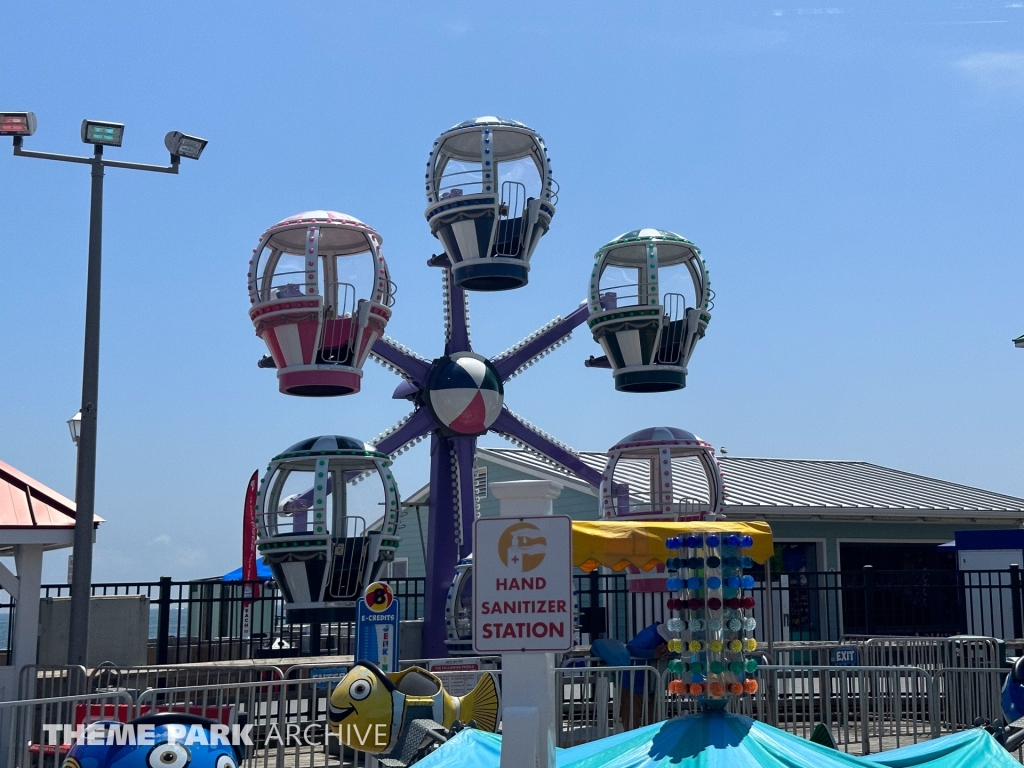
[{"x": 321, "y": 297}]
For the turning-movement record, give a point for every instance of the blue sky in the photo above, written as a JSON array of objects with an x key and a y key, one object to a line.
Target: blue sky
[{"x": 852, "y": 173}]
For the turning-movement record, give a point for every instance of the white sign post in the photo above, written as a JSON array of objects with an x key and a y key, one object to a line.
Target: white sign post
[{"x": 523, "y": 609}]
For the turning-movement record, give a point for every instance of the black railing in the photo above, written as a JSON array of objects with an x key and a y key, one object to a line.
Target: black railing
[
  {"x": 872, "y": 602},
  {"x": 197, "y": 621},
  {"x": 202, "y": 620},
  {"x": 833, "y": 605},
  {"x": 6, "y": 627}
]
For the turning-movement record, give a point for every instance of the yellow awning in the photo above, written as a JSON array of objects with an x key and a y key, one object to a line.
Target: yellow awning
[{"x": 616, "y": 544}]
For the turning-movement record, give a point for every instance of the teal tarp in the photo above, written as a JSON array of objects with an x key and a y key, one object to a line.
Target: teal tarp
[{"x": 722, "y": 740}]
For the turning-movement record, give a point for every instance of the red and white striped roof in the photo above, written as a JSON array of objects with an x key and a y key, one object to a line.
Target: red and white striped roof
[{"x": 27, "y": 503}]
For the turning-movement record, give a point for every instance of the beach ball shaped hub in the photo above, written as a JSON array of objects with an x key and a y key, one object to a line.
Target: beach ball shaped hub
[{"x": 464, "y": 394}]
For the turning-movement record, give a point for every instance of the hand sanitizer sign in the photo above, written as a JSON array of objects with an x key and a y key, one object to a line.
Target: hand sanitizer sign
[
  {"x": 522, "y": 584},
  {"x": 377, "y": 627}
]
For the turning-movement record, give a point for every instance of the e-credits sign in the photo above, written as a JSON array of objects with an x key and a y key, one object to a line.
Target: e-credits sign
[
  {"x": 377, "y": 627},
  {"x": 522, "y": 584}
]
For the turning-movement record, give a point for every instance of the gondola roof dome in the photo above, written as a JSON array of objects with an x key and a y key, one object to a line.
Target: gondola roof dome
[
  {"x": 340, "y": 234},
  {"x": 658, "y": 435},
  {"x": 464, "y": 145},
  {"x": 337, "y": 445},
  {"x": 632, "y": 246}
]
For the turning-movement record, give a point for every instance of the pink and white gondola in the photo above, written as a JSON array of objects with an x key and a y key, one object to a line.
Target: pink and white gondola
[{"x": 317, "y": 327}]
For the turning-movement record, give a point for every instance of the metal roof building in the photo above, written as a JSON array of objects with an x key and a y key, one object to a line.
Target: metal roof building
[{"x": 828, "y": 515}]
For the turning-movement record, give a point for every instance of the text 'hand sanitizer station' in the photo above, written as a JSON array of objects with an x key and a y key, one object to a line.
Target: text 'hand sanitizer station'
[{"x": 523, "y": 609}]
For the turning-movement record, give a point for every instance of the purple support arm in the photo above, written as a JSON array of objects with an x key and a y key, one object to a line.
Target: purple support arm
[
  {"x": 509, "y": 424},
  {"x": 416, "y": 369},
  {"x": 442, "y": 549},
  {"x": 524, "y": 352},
  {"x": 418, "y": 425},
  {"x": 458, "y": 323},
  {"x": 465, "y": 451}
]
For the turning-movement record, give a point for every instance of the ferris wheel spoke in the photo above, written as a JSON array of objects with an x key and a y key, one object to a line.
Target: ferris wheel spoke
[
  {"x": 456, "y": 316},
  {"x": 528, "y": 436},
  {"x": 541, "y": 342},
  {"x": 413, "y": 427},
  {"x": 406, "y": 362}
]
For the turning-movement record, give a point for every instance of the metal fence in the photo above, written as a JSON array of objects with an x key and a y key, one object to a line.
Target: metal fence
[
  {"x": 873, "y": 602},
  {"x": 867, "y": 709},
  {"x": 284, "y": 715},
  {"x": 6, "y": 626},
  {"x": 201, "y": 621},
  {"x": 822, "y": 606}
]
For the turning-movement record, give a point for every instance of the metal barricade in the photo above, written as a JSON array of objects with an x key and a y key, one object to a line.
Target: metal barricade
[
  {"x": 933, "y": 653},
  {"x": 107, "y": 677},
  {"x": 254, "y": 706},
  {"x": 966, "y": 694},
  {"x": 44, "y": 682},
  {"x": 868, "y": 709},
  {"x": 599, "y": 701},
  {"x": 33, "y": 732}
]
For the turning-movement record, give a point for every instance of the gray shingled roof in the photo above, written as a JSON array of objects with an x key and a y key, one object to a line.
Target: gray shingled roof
[{"x": 754, "y": 485}]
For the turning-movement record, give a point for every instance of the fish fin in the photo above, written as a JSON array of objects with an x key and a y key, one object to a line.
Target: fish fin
[{"x": 482, "y": 704}]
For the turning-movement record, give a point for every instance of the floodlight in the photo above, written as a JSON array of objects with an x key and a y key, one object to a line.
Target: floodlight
[
  {"x": 105, "y": 134},
  {"x": 182, "y": 145},
  {"x": 17, "y": 123}
]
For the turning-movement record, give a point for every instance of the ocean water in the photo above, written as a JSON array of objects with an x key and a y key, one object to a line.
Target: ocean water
[{"x": 176, "y": 627}]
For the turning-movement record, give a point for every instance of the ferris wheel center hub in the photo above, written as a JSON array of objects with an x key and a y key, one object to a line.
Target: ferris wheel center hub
[{"x": 464, "y": 394}]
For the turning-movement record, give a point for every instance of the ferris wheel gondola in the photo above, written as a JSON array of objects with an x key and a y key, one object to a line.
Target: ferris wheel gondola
[
  {"x": 650, "y": 302},
  {"x": 321, "y": 296},
  {"x": 322, "y": 555},
  {"x": 490, "y": 199}
]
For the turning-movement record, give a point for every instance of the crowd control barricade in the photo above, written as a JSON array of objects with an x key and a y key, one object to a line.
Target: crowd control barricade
[
  {"x": 933, "y": 653},
  {"x": 867, "y": 709},
  {"x": 967, "y": 694},
  {"x": 28, "y": 738},
  {"x": 107, "y": 677},
  {"x": 599, "y": 701},
  {"x": 37, "y": 681}
]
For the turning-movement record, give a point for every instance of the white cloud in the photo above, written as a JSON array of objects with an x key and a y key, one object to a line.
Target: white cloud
[
  {"x": 994, "y": 70},
  {"x": 458, "y": 27}
]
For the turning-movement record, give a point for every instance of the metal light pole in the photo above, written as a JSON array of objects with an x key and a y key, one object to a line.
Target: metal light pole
[{"x": 99, "y": 134}]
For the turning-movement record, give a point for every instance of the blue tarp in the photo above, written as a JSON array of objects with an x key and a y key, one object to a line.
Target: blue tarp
[
  {"x": 263, "y": 572},
  {"x": 722, "y": 740}
]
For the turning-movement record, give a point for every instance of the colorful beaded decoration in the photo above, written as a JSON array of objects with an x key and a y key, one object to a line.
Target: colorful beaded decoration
[{"x": 711, "y": 609}]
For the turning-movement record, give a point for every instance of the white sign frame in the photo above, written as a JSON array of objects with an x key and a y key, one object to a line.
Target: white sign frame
[{"x": 557, "y": 593}]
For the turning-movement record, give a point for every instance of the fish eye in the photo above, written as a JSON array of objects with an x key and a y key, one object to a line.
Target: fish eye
[
  {"x": 359, "y": 690},
  {"x": 169, "y": 756},
  {"x": 225, "y": 762}
]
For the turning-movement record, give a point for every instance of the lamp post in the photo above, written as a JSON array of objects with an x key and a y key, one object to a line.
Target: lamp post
[
  {"x": 100, "y": 134},
  {"x": 75, "y": 425}
]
